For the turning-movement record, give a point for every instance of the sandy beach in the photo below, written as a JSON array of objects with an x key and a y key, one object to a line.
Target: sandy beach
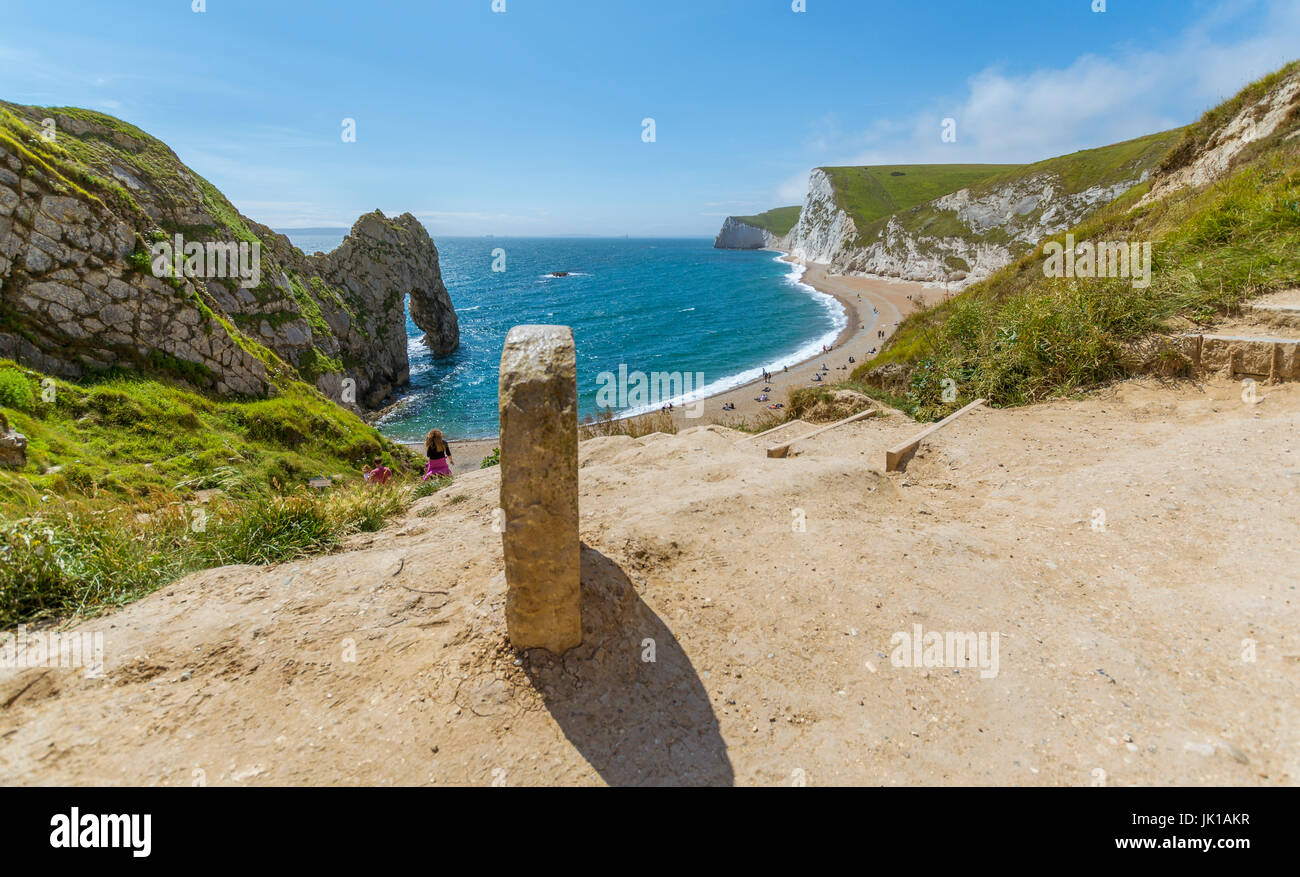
[{"x": 891, "y": 300}]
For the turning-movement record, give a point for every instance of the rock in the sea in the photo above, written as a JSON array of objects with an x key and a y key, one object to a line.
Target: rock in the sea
[{"x": 538, "y": 396}]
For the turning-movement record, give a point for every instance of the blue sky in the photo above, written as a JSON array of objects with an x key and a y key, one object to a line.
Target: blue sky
[{"x": 529, "y": 122}]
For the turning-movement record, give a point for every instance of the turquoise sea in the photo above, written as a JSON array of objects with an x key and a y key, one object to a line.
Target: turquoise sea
[{"x": 649, "y": 305}]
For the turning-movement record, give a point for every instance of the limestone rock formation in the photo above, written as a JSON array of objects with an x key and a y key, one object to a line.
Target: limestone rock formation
[
  {"x": 738, "y": 235},
  {"x": 83, "y": 289},
  {"x": 538, "y": 397},
  {"x": 772, "y": 230},
  {"x": 977, "y": 218},
  {"x": 998, "y": 223},
  {"x": 13, "y": 445}
]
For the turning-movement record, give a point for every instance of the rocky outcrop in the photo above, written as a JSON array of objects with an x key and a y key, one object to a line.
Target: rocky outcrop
[
  {"x": 1259, "y": 116},
  {"x": 361, "y": 286},
  {"x": 769, "y": 230},
  {"x": 13, "y": 445},
  {"x": 823, "y": 226},
  {"x": 88, "y": 228},
  {"x": 1002, "y": 223}
]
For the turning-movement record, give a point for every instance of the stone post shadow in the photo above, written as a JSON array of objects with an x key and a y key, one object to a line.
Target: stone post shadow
[{"x": 611, "y": 673}]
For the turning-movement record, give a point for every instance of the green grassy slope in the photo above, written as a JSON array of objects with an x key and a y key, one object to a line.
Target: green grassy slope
[
  {"x": 778, "y": 220},
  {"x": 1103, "y": 166},
  {"x": 106, "y": 508},
  {"x": 1019, "y": 336},
  {"x": 872, "y": 194},
  {"x": 134, "y": 438},
  {"x": 875, "y": 192}
]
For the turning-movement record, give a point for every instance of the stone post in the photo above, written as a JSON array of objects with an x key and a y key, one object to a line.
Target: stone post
[{"x": 538, "y": 399}]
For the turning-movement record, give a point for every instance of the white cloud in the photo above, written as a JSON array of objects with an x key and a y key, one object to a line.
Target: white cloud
[
  {"x": 1093, "y": 101},
  {"x": 792, "y": 189}
]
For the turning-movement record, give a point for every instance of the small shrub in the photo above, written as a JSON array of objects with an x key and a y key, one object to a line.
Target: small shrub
[
  {"x": 429, "y": 488},
  {"x": 606, "y": 424},
  {"x": 16, "y": 391},
  {"x": 276, "y": 529}
]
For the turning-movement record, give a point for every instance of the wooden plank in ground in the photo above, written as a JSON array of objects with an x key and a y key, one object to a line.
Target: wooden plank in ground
[
  {"x": 901, "y": 453},
  {"x": 780, "y": 451},
  {"x": 769, "y": 431}
]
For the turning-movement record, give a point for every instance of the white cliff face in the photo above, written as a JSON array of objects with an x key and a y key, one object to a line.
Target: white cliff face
[
  {"x": 737, "y": 235},
  {"x": 823, "y": 227},
  {"x": 1029, "y": 210},
  {"x": 898, "y": 253},
  {"x": 1001, "y": 224}
]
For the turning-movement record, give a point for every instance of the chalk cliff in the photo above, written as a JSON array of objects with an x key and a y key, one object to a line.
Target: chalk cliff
[
  {"x": 739, "y": 235},
  {"x": 770, "y": 230},
  {"x": 964, "y": 234}
]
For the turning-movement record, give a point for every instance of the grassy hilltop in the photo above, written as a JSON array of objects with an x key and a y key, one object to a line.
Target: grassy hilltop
[
  {"x": 1104, "y": 166},
  {"x": 778, "y": 220},
  {"x": 875, "y": 192}
]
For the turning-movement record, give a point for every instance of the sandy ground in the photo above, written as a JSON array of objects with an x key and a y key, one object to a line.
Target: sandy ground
[{"x": 1134, "y": 551}]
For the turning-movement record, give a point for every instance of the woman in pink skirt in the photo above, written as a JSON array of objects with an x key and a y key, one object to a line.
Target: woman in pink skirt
[{"x": 439, "y": 454}]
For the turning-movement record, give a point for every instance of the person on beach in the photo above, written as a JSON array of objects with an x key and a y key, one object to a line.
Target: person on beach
[
  {"x": 379, "y": 474},
  {"x": 439, "y": 454}
]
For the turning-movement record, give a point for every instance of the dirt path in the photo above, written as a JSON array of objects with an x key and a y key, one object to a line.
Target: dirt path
[
  {"x": 466, "y": 456},
  {"x": 1125, "y": 652}
]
